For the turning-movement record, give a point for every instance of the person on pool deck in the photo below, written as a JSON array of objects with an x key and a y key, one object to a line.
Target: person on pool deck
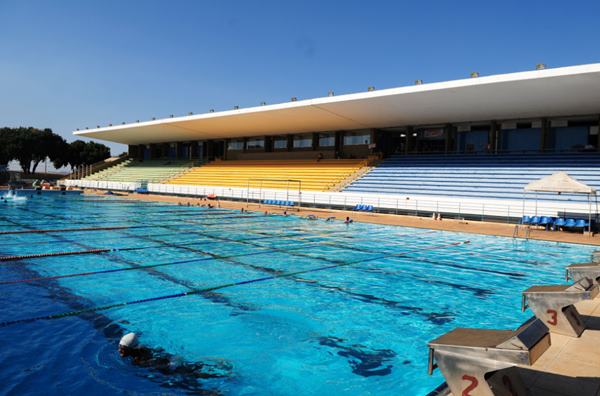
[{"x": 348, "y": 220}]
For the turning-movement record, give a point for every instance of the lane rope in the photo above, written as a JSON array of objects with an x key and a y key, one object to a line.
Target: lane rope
[
  {"x": 213, "y": 288},
  {"x": 67, "y": 230},
  {"x": 55, "y": 254}
]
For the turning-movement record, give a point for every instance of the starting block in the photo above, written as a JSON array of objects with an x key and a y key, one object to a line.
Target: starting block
[
  {"x": 554, "y": 305},
  {"x": 480, "y": 362},
  {"x": 577, "y": 272}
]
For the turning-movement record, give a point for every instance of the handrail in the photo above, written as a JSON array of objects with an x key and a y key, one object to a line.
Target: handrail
[
  {"x": 497, "y": 210},
  {"x": 97, "y": 166}
]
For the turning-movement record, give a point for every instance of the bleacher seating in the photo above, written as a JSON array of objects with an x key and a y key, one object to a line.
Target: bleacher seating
[
  {"x": 153, "y": 171},
  {"x": 322, "y": 175},
  {"x": 501, "y": 176}
]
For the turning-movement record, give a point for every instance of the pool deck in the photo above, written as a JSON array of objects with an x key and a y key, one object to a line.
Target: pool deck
[{"x": 474, "y": 227}]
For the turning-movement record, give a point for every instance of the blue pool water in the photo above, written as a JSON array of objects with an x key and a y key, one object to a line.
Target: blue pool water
[{"x": 358, "y": 329}]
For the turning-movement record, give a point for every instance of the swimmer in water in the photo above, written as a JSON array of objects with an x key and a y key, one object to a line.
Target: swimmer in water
[
  {"x": 311, "y": 217},
  {"x": 331, "y": 218},
  {"x": 129, "y": 347},
  {"x": 348, "y": 220}
]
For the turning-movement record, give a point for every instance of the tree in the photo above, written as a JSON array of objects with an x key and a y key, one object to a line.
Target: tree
[
  {"x": 94, "y": 152},
  {"x": 4, "y": 157},
  {"x": 30, "y": 146},
  {"x": 82, "y": 153},
  {"x": 50, "y": 145}
]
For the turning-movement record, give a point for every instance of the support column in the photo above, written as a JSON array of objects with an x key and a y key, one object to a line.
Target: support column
[
  {"x": 409, "y": 139},
  {"x": 546, "y": 138},
  {"x": 338, "y": 143},
  {"x": 446, "y": 138},
  {"x": 493, "y": 141},
  {"x": 598, "y": 136}
]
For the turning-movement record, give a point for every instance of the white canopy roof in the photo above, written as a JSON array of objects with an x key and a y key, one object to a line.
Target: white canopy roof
[
  {"x": 564, "y": 91},
  {"x": 560, "y": 182}
]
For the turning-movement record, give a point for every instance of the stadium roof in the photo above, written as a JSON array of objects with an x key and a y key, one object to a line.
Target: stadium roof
[{"x": 565, "y": 91}]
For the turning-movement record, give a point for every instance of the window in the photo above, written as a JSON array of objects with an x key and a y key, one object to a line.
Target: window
[
  {"x": 280, "y": 143},
  {"x": 357, "y": 138},
  {"x": 303, "y": 141},
  {"x": 326, "y": 139},
  {"x": 235, "y": 145},
  {"x": 255, "y": 143}
]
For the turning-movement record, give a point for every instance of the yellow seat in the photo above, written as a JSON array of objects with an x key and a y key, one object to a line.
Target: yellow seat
[{"x": 322, "y": 175}]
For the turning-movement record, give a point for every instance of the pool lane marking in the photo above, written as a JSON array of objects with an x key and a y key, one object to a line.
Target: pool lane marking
[
  {"x": 98, "y": 251},
  {"x": 141, "y": 267},
  {"x": 271, "y": 270},
  {"x": 67, "y": 230},
  {"x": 162, "y": 244},
  {"x": 206, "y": 289},
  {"x": 55, "y": 254},
  {"x": 477, "y": 291},
  {"x": 34, "y": 231},
  {"x": 161, "y": 275},
  {"x": 63, "y": 230},
  {"x": 148, "y": 225}
]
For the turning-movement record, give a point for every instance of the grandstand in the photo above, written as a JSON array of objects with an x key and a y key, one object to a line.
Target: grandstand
[
  {"x": 324, "y": 175},
  {"x": 478, "y": 141},
  {"x": 135, "y": 171},
  {"x": 500, "y": 176}
]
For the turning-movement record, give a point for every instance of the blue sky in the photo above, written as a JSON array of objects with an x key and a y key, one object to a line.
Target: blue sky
[{"x": 72, "y": 64}]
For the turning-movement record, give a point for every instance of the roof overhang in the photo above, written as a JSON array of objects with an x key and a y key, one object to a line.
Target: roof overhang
[{"x": 566, "y": 91}]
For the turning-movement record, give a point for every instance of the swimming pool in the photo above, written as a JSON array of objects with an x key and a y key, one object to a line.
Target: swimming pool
[{"x": 355, "y": 320}]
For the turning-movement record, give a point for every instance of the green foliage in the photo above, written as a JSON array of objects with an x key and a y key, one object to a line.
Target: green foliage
[
  {"x": 31, "y": 146},
  {"x": 83, "y": 153},
  {"x": 4, "y": 157}
]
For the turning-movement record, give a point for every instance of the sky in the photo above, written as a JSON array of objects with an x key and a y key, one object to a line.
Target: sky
[{"x": 76, "y": 64}]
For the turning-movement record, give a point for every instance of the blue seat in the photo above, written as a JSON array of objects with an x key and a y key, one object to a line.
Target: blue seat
[
  {"x": 358, "y": 207},
  {"x": 570, "y": 223},
  {"x": 482, "y": 176},
  {"x": 560, "y": 222},
  {"x": 546, "y": 221},
  {"x": 290, "y": 203},
  {"x": 535, "y": 220},
  {"x": 581, "y": 223},
  {"x": 525, "y": 220},
  {"x": 369, "y": 208}
]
